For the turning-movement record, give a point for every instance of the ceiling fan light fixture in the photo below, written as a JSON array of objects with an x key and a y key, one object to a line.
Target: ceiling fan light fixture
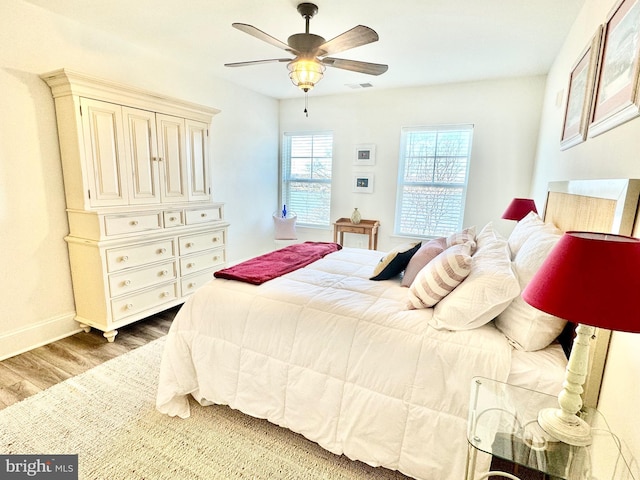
[{"x": 305, "y": 73}]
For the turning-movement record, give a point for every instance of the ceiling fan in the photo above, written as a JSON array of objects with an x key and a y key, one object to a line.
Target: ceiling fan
[{"x": 311, "y": 51}]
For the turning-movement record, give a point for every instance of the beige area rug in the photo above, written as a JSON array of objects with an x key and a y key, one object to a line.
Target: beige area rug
[{"x": 107, "y": 416}]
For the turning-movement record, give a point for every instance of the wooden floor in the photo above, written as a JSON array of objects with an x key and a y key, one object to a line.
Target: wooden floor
[{"x": 26, "y": 374}]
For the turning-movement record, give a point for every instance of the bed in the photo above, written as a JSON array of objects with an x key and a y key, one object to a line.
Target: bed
[{"x": 374, "y": 369}]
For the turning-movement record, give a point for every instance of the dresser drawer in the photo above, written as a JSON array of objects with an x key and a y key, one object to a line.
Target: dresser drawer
[
  {"x": 132, "y": 304},
  {"x": 174, "y": 218},
  {"x": 191, "y": 283},
  {"x": 136, "y": 255},
  {"x": 140, "y": 222},
  {"x": 353, "y": 229},
  {"x": 201, "y": 241},
  {"x": 131, "y": 280},
  {"x": 201, "y": 261},
  {"x": 203, "y": 215}
]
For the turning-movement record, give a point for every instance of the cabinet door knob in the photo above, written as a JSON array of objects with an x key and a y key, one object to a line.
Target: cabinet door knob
[
  {"x": 165, "y": 294},
  {"x": 129, "y": 306},
  {"x": 162, "y": 251},
  {"x": 124, "y": 258},
  {"x": 189, "y": 245},
  {"x": 126, "y": 283},
  {"x": 133, "y": 223},
  {"x": 203, "y": 214},
  {"x": 164, "y": 273},
  {"x": 215, "y": 239},
  {"x": 192, "y": 285},
  {"x": 191, "y": 265},
  {"x": 172, "y": 219},
  {"x": 216, "y": 258}
]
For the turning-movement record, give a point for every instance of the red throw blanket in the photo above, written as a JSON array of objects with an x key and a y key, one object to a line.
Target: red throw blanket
[{"x": 274, "y": 264}]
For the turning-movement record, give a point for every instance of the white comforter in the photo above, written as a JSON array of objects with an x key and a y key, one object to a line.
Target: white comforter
[{"x": 336, "y": 357}]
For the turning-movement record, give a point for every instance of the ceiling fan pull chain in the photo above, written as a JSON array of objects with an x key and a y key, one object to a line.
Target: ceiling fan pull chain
[{"x": 306, "y": 103}]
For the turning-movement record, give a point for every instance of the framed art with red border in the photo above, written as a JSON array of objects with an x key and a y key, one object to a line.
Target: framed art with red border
[{"x": 617, "y": 96}]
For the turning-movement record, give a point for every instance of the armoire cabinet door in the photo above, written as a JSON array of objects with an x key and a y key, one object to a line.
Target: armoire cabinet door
[
  {"x": 198, "y": 160},
  {"x": 172, "y": 155},
  {"x": 104, "y": 152},
  {"x": 142, "y": 153}
]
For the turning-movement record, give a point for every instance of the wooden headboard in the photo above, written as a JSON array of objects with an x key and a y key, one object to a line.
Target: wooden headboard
[{"x": 609, "y": 206}]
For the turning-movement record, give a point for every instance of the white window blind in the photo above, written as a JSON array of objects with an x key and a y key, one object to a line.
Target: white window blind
[
  {"x": 432, "y": 179},
  {"x": 306, "y": 176}
]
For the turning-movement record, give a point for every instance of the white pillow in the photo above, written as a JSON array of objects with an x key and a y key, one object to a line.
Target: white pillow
[
  {"x": 440, "y": 276},
  {"x": 526, "y": 327},
  {"x": 486, "y": 292},
  {"x": 526, "y": 227},
  {"x": 285, "y": 228}
]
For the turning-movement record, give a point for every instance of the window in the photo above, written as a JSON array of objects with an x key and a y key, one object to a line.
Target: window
[
  {"x": 306, "y": 176},
  {"x": 432, "y": 179}
]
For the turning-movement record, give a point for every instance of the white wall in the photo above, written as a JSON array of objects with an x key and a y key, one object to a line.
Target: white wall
[
  {"x": 506, "y": 115},
  {"x": 613, "y": 154},
  {"x": 37, "y": 300}
]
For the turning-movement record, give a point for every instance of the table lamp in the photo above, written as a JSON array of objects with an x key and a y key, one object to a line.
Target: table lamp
[
  {"x": 593, "y": 280},
  {"x": 519, "y": 208}
]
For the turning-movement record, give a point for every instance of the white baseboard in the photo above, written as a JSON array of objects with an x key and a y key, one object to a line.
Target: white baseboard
[{"x": 47, "y": 331}]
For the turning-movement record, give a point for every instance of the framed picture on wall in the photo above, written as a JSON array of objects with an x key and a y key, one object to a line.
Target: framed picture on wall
[
  {"x": 365, "y": 154},
  {"x": 363, "y": 182},
  {"x": 617, "y": 96},
  {"x": 577, "y": 111}
]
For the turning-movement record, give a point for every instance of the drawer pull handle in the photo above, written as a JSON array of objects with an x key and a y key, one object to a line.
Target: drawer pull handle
[
  {"x": 191, "y": 265},
  {"x": 216, "y": 258},
  {"x": 203, "y": 214},
  {"x": 189, "y": 245},
  {"x": 164, "y": 273},
  {"x": 165, "y": 294},
  {"x": 124, "y": 258},
  {"x": 162, "y": 251},
  {"x": 133, "y": 223},
  {"x": 126, "y": 283},
  {"x": 129, "y": 306},
  {"x": 215, "y": 239},
  {"x": 172, "y": 219},
  {"x": 192, "y": 285}
]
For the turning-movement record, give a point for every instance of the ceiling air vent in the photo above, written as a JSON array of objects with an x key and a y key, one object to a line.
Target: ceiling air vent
[{"x": 359, "y": 85}]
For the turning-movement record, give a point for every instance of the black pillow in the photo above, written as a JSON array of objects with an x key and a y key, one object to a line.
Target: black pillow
[{"x": 394, "y": 262}]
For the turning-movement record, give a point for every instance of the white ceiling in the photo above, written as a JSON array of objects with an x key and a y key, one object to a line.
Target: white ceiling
[{"x": 423, "y": 41}]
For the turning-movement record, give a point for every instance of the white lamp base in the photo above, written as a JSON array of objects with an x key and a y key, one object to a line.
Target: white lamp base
[{"x": 568, "y": 429}]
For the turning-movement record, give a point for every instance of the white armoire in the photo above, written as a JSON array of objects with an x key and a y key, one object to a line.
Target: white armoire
[{"x": 144, "y": 231}]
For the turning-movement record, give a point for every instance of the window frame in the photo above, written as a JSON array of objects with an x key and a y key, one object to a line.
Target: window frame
[
  {"x": 286, "y": 177},
  {"x": 405, "y": 133}
]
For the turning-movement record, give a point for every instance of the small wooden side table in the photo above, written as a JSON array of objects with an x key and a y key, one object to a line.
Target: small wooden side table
[{"x": 365, "y": 227}]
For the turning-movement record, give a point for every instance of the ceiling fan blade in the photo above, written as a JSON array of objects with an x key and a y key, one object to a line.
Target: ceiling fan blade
[
  {"x": 257, "y": 62},
  {"x": 356, "y": 66},
  {"x": 355, "y": 37},
  {"x": 265, "y": 37}
]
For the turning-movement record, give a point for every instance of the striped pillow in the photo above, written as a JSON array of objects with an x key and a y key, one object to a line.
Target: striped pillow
[
  {"x": 440, "y": 276},
  {"x": 464, "y": 236}
]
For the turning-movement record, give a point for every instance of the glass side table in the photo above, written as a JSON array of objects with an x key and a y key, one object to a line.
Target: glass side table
[{"x": 503, "y": 423}]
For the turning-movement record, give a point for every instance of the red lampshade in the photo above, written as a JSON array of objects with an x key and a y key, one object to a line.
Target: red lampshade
[
  {"x": 519, "y": 208},
  {"x": 590, "y": 278}
]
